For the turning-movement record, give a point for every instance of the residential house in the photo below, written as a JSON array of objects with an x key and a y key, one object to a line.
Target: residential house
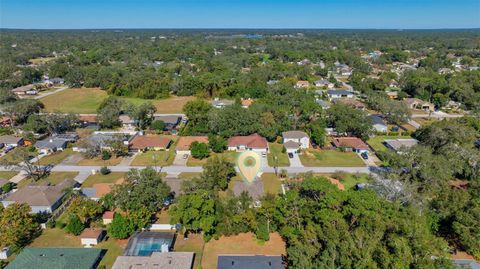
[
  {"x": 302, "y": 84},
  {"x": 324, "y": 104},
  {"x": 88, "y": 120},
  {"x": 400, "y": 144},
  {"x": 324, "y": 83},
  {"x": 295, "y": 140},
  {"x": 11, "y": 141},
  {"x": 49, "y": 258},
  {"x": 102, "y": 140},
  {"x": 393, "y": 84},
  {"x": 169, "y": 260},
  {"x": 107, "y": 217},
  {"x": 350, "y": 144},
  {"x": 415, "y": 103},
  {"x": 51, "y": 144},
  {"x": 91, "y": 237},
  {"x": 99, "y": 190},
  {"x": 334, "y": 94},
  {"x": 5, "y": 121},
  {"x": 246, "y": 103},
  {"x": 184, "y": 142},
  {"x": 171, "y": 121},
  {"x": 378, "y": 124},
  {"x": 25, "y": 90},
  {"x": 343, "y": 69},
  {"x": 127, "y": 121},
  {"x": 253, "y": 142},
  {"x": 392, "y": 94},
  {"x": 39, "y": 198},
  {"x": 149, "y": 142},
  {"x": 221, "y": 103},
  {"x": 250, "y": 262},
  {"x": 351, "y": 102},
  {"x": 304, "y": 62}
]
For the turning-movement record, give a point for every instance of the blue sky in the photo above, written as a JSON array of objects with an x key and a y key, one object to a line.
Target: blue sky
[{"x": 81, "y": 14}]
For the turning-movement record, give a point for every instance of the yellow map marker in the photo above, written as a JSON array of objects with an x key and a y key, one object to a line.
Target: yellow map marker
[{"x": 249, "y": 164}]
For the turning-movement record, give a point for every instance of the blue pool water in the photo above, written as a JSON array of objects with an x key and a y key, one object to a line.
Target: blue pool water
[{"x": 146, "y": 248}]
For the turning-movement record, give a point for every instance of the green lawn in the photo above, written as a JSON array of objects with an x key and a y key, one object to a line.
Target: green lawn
[
  {"x": 352, "y": 179},
  {"x": 56, "y": 158},
  {"x": 97, "y": 161},
  {"x": 323, "y": 158},
  {"x": 195, "y": 244},
  {"x": 53, "y": 178},
  {"x": 154, "y": 158},
  {"x": 99, "y": 178},
  {"x": 59, "y": 238},
  {"x": 377, "y": 142},
  {"x": 77, "y": 100},
  {"x": 188, "y": 175},
  {"x": 271, "y": 183},
  {"x": 231, "y": 156},
  {"x": 7, "y": 174},
  {"x": 11, "y": 157},
  {"x": 276, "y": 151}
]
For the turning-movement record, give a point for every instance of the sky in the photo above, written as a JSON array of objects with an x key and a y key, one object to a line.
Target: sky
[{"x": 350, "y": 14}]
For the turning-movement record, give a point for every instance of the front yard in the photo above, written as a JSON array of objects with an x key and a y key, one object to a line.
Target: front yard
[
  {"x": 56, "y": 157},
  {"x": 53, "y": 178},
  {"x": 154, "y": 158},
  {"x": 97, "y": 161},
  {"x": 281, "y": 157},
  {"x": 332, "y": 158},
  {"x": 7, "y": 174},
  {"x": 231, "y": 156},
  {"x": 113, "y": 178}
]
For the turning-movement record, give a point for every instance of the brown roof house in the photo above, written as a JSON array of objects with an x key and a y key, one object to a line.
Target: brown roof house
[
  {"x": 40, "y": 198},
  {"x": 415, "y": 103},
  {"x": 253, "y": 142},
  {"x": 149, "y": 142},
  {"x": 184, "y": 142},
  {"x": 25, "y": 90},
  {"x": 354, "y": 144},
  {"x": 91, "y": 237}
]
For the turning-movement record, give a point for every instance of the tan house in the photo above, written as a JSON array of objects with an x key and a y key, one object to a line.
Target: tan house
[
  {"x": 149, "y": 142},
  {"x": 183, "y": 144},
  {"x": 415, "y": 103}
]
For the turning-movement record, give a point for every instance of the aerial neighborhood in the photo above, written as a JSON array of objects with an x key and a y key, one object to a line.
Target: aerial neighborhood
[{"x": 121, "y": 149}]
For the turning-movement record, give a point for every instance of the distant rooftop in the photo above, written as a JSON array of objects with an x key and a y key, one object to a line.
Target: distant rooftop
[{"x": 250, "y": 262}]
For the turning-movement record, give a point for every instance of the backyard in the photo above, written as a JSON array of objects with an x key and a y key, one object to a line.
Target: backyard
[
  {"x": 324, "y": 158},
  {"x": 195, "y": 244},
  {"x": 271, "y": 183},
  {"x": 275, "y": 150},
  {"x": 245, "y": 244}
]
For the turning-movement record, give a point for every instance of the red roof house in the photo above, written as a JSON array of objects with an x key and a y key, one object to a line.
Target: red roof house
[
  {"x": 350, "y": 143},
  {"x": 251, "y": 142}
]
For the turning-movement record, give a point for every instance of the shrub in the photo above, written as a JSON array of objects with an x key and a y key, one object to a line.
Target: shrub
[
  {"x": 199, "y": 150},
  {"x": 120, "y": 228},
  {"x": 106, "y": 155},
  {"x": 7, "y": 187},
  {"x": 104, "y": 170},
  {"x": 74, "y": 226},
  {"x": 158, "y": 125},
  {"x": 340, "y": 175}
]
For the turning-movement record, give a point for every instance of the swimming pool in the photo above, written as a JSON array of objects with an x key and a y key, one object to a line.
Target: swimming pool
[{"x": 144, "y": 243}]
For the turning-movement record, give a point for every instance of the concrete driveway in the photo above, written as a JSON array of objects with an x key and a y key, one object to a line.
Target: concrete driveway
[
  {"x": 295, "y": 161},
  {"x": 179, "y": 160}
]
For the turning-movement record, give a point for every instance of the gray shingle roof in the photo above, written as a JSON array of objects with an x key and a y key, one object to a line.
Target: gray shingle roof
[
  {"x": 294, "y": 134},
  {"x": 250, "y": 262},
  {"x": 160, "y": 260}
]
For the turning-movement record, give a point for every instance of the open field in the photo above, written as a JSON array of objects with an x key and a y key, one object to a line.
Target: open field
[
  {"x": 376, "y": 143},
  {"x": 41, "y": 60},
  {"x": 323, "y": 158},
  {"x": 53, "y": 178},
  {"x": 59, "y": 238},
  {"x": 348, "y": 181},
  {"x": 231, "y": 156},
  {"x": 194, "y": 243},
  {"x": 271, "y": 183},
  {"x": 87, "y": 100},
  {"x": 154, "y": 158},
  {"x": 276, "y": 151},
  {"x": 77, "y": 100},
  {"x": 56, "y": 157},
  {"x": 245, "y": 243},
  {"x": 99, "y": 178}
]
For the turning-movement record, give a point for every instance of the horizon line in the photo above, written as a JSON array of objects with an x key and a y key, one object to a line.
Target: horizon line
[{"x": 240, "y": 28}]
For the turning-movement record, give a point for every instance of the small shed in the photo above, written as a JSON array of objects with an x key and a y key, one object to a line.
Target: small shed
[
  {"x": 91, "y": 237},
  {"x": 108, "y": 217}
]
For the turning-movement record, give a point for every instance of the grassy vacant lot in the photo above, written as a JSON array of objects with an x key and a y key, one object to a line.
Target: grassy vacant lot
[
  {"x": 82, "y": 100},
  {"x": 323, "y": 158},
  {"x": 7, "y": 174},
  {"x": 271, "y": 183},
  {"x": 276, "y": 151},
  {"x": 87, "y": 100},
  {"x": 152, "y": 158},
  {"x": 97, "y": 161},
  {"x": 245, "y": 243},
  {"x": 348, "y": 180},
  {"x": 12, "y": 157},
  {"x": 99, "y": 178},
  {"x": 194, "y": 243},
  {"x": 231, "y": 156},
  {"x": 377, "y": 142},
  {"x": 59, "y": 238},
  {"x": 53, "y": 178},
  {"x": 56, "y": 157}
]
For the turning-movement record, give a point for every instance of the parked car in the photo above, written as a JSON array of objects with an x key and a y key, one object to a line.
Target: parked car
[
  {"x": 185, "y": 156},
  {"x": 290, "y": 155},
  {"x": 364, "y": 155}
]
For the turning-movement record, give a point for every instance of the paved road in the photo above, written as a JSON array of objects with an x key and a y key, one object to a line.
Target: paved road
[{"x": 438, "y": 115}]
